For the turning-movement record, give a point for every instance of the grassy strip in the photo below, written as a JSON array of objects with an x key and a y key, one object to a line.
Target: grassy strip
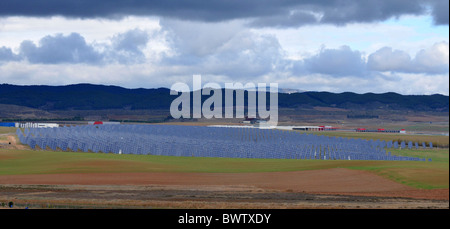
[
  {"x": 424, "y": 175},
  {"x": 415, "y": 176},
  {"x": 7, "y": 130},
  {"x": 427, "y": 175}
]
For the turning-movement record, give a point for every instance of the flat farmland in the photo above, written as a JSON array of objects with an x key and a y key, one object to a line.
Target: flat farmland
[
  {"x": 5, "y": 130},
  {"x": 43, "y": 178}
]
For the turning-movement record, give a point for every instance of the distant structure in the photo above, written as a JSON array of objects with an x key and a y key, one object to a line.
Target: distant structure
[
  {"x": 103, "y": 123},
  {"x": 248, "y": 120},
  {"x": 363, "y": 116},
  {"x": 315, "y": 128},
  {"x": 380, "y": 130},
  {"x": 7, "y": 124},
  {"x": 37, "y": 125}
]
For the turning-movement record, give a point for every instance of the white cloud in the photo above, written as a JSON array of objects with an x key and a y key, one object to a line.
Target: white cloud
[
  {"x": 200, "y": 39},
  {"x": 386, "y": 59},
  {"x": 431, "y": 60},
  {"x": 337, "y": 62}
]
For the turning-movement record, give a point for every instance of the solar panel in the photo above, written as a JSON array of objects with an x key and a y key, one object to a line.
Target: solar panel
[
  {"x": 402, "y": 145},
  {"x": 198, "y": 141}
]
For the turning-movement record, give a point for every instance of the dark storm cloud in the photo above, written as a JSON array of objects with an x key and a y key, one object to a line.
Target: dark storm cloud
[
  {"x": 440, "y": 12},
  {"x": 194, "y": 9},
  {"x": 347, "y": 11},
  {"x": 285, "y": 13},
  {"x": 293, "y": 19}
]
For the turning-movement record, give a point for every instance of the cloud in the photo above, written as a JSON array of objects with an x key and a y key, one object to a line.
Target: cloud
[
  {"x": 127, "y": 47},
  {"x": 221, "y": 49},
  {"x": 124, "y": 48},
  {"x": 248, "y": 55},
  {"x": 336, "y": 62},
  {"x": 7, "y": 55},
  {"x": 386, "y": 59},
  {"x": 232, "y": 51},
  {"x": 432, "y": 60},
  {"x": 341, "y": 12},
  {"x": 199, "y": 39},
  {"x": 284, "y": 13},
  {"x": 440, "y": 12},
  {"x": 292, "y": 19},
  {"x": 60, "y": 49}
]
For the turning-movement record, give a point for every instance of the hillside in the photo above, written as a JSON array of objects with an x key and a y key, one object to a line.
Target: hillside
[{"x": 100, "y": 97}]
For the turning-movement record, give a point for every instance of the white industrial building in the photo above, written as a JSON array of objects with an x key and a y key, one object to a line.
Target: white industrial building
[{"x": 37, "y": 125}]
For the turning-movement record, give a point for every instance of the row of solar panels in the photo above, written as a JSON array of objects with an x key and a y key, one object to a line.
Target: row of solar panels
[
  {"x": 250, "y": 134},
  {"x": 206, "y": 142}
]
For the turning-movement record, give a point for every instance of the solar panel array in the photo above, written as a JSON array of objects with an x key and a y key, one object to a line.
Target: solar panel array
[{"x": 197, "y": 141}]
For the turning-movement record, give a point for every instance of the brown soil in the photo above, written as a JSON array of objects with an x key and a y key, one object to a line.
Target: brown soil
[
  {"x": 433, "y": 194},
  {"x": 192, "y": 197},
  {"x": 331, "y": 188},
  {"x": 11, "y": 142},
  {"x": 328, "y": 180}
]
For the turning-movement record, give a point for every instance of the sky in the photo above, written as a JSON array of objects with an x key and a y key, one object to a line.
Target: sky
[{"x": 357, "y": 46}]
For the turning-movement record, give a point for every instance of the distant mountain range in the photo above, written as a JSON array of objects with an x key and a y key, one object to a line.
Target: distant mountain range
[
  {"x": 100, "y": 97},
  {"x": 280, "y": 90}
]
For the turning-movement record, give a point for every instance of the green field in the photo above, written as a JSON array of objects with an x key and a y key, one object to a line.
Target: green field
[
  {"x": 426, "y": 175},
  {"x": 427, "y": 127},
  {"x": 6, "y": 130}
]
